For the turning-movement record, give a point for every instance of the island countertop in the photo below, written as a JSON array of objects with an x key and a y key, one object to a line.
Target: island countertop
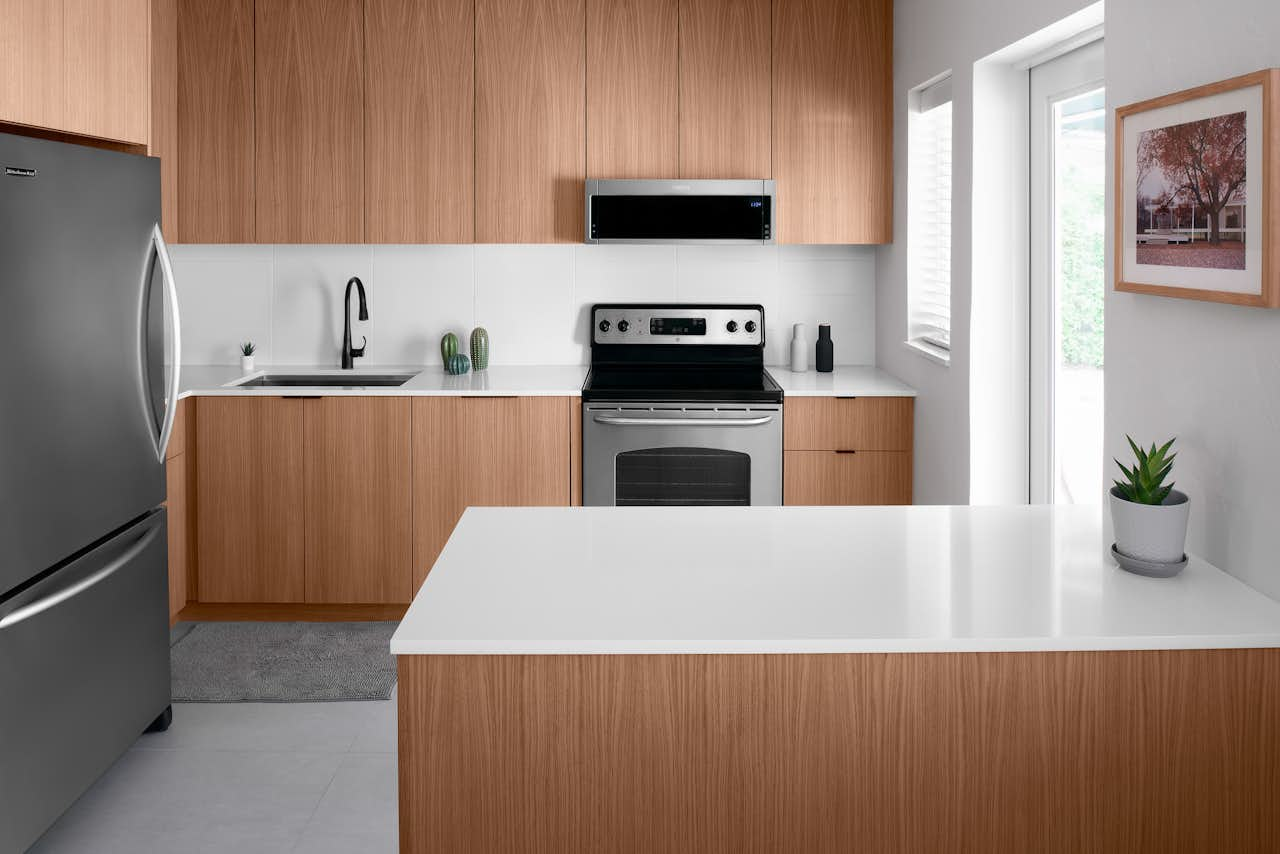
[{"x": 547, "y": 581}]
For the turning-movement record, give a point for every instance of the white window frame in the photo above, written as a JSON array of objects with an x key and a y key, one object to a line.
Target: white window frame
[{"x": 930, "y": 127}]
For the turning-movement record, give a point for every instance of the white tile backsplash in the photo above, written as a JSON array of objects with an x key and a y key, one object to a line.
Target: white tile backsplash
[{"x": 534, "y": 300}]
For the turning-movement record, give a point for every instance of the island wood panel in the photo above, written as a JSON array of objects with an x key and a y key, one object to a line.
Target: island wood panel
[
  {"x": 215, "y": 122},
  {"x": 530, "y": 156},
  {"x": 1142, "y": 751},
  {"x": 107, "y": 56},
  {"x": 309, "y": 121},
  {"x": 848, "y": 424},
  {"x": 178, "y": 505},
  {"x": 633, "y": 88},
  {"x": 483, "y": 452},
  {"x": 250, "y": 499},
  {"x": 575, "y": 452},
  {"x": 163, "y": 141},
  {"x": 833, "y": 120},
  {"x": 32, "y": 74},
  {"x": 419, "y": 121},
  {"x": 289, "y": 612},
  {"x": 358, "y": 500},
  {"x": 724, "y": 89},
  {"x": 835, "y": 478},
  {"x": 179, "y": 436}
]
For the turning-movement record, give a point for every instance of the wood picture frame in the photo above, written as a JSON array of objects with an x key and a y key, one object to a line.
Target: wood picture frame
[{"x": 1169, "y": 191}]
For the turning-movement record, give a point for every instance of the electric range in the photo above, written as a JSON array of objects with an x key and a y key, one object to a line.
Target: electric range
[{"x": 678, "y": 408}]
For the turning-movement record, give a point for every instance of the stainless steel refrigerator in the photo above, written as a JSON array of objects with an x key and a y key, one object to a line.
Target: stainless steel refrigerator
[{"x": 88, "y": 386}]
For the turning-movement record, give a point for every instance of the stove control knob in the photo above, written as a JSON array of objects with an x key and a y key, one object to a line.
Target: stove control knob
[
  {"x": 731, "y": 326},
  {"x": 751, "y": 326},
  {"x": 605, "y": 325},
  {"x": 624, "y": 325}
]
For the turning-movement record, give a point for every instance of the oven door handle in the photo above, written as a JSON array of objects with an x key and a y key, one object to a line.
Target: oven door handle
[{"x": 631, "y": 421}]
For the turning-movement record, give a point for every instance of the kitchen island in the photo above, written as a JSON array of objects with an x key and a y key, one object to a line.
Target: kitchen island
[{"x": 830, "y": 679}]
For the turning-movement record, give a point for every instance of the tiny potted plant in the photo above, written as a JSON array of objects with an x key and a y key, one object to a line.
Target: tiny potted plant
[
  {"x": 1149, "y": 516},
  {"x": 247, "y": 350}
]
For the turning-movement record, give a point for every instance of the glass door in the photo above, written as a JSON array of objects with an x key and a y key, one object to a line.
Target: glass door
[{"x": 1068, "y": 228}]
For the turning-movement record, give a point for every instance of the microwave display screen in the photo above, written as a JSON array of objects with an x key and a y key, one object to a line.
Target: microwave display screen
[{"x": 677, "y": 326}]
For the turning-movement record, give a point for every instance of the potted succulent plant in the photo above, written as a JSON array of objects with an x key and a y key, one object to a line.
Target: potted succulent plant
[
  {"x": 247, "y": 349},
  {"x": 1149, "y": 516}
]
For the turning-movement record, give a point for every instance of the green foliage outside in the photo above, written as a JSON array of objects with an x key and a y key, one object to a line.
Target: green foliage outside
[{"x": 1082, "y": 220}]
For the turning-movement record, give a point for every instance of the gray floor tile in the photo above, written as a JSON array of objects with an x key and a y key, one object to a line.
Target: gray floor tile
[
  {"x": 309, "y": 727},
  {"x": 190, "y": 800},
  {"x": 378, "y": 735},
  {"x": 359, "y": 810}
]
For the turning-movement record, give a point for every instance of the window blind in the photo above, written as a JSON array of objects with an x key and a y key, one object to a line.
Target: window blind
[{"x": 929, "y": 216}]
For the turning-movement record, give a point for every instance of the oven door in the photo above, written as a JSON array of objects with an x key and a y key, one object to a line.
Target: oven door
[{"x": 636, "y": 455}]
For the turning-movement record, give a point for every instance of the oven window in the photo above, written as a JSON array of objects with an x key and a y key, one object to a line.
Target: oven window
[{"x": 682, "y": 476}]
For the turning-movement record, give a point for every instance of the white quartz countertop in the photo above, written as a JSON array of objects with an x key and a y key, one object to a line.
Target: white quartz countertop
[
  {"x": 497, "y": 381},
  {"x": 843, "y": 381},
  {"x": 811, "y": 580}
]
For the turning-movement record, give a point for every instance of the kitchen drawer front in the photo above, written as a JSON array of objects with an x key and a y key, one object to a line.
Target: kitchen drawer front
[
  {"x": 834, "y": 478},
  {"x": 848, "y": 423}
]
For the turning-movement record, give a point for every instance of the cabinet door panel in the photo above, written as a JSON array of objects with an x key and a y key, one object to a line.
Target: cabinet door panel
[
  {"x": 215, "y": 121},
  {"x": 724, "y": 89},
  {"x": 107, "y": 49},
  {"x": 32, "y": 77},
  {"x": 419, "y": 126},
  {"x": 358, "y": 500},
  {"x": 530, "y": 155},
  {"x": 848, "y": 424},
  {"x": 250, "y": 488},
  {"x": 831, "y": 478},
  {"x": 833, "y": 120},
  {"x": 177, "y": 503},
  {"x": 476, "y": 451},
  {"x": 309, "y": 121},
  {"x": 632, "y": 88}
]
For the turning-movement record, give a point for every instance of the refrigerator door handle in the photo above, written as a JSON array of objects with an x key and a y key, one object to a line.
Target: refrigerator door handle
[
  {"x": 171, "y": 292},
  {"x": 56, "y": 598}
]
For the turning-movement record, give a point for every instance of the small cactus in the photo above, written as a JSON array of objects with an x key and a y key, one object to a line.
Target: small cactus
[
  {"x": 479, "y": 348},
  {"x": 448, "y": 347},
  {"x": 457, "y": 364}
]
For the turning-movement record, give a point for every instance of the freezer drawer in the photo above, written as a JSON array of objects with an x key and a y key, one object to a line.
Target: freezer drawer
[{"x": 84, "y": 665}]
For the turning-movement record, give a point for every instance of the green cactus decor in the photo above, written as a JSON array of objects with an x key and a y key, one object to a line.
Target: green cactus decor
[
  {"x": 448, "y": 347},
  {"x": 457, "y": 364},
  {"x": 479, "y": 348}
]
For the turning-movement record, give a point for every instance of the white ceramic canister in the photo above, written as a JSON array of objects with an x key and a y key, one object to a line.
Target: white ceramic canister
[{"x": 799, "y": 348}]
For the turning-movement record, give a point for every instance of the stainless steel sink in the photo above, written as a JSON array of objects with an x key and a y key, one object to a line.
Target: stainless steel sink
[{"x": 326, "y": 380}]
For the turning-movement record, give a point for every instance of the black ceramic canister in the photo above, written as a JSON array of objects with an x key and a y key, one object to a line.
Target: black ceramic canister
[{"x": 825, "y": 355}]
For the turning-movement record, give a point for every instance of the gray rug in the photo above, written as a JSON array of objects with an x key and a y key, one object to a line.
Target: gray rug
[{"x": 238, "y": 662}]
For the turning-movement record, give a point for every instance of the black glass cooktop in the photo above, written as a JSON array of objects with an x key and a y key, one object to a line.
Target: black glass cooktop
[{"x": 691, "y": 383}]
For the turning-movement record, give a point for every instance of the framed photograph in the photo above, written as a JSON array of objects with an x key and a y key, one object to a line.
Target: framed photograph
[{"x": 1197, "y": 204}]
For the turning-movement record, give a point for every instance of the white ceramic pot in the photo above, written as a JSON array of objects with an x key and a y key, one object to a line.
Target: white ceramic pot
[
  {"x": 246, "y": 364},
  {"x": 1152, "y": 532}
]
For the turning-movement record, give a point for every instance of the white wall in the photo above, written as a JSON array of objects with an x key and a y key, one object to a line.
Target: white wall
[
  {"x": 1209, "y": 374},
  {"x": 930, "y": 37},
  {"x": 533, "y": 299}
]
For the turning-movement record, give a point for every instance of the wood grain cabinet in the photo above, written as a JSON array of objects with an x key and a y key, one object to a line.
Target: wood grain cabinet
[
  {"x": 77, "y": 66},
  {"x": 419, "y": 121},
  {"x": 633, "y": 97},
  {"x": 215, "y": 121},
  {"x": 484, "y": 451},
  {"x": 847, "y": 450},
  {"x": 178, "y": 501},
  {"x": 724, "y": 89},
  {"x": 833, "y": 120},
  {"x": 309, "y": 121},
  {"x": 530, "y": 155},
  {"x": 358, "y": 500},
  {"x": 251, "y": 499}
]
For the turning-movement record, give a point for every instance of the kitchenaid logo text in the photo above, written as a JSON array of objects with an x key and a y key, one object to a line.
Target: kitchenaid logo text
[{"x": 19, "y": 172}]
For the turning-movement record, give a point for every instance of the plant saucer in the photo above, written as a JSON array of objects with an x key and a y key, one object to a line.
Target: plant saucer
[{"x": 1150, "y": 568}]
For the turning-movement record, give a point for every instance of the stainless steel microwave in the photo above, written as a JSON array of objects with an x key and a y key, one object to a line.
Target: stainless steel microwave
[{"x": 651, "y": 211}]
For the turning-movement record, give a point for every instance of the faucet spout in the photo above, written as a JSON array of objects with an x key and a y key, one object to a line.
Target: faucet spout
[{"x": 349, "y": 353}]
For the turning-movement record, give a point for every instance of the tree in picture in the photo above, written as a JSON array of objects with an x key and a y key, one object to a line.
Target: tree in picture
[{"x": 1191, "y": 184}]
